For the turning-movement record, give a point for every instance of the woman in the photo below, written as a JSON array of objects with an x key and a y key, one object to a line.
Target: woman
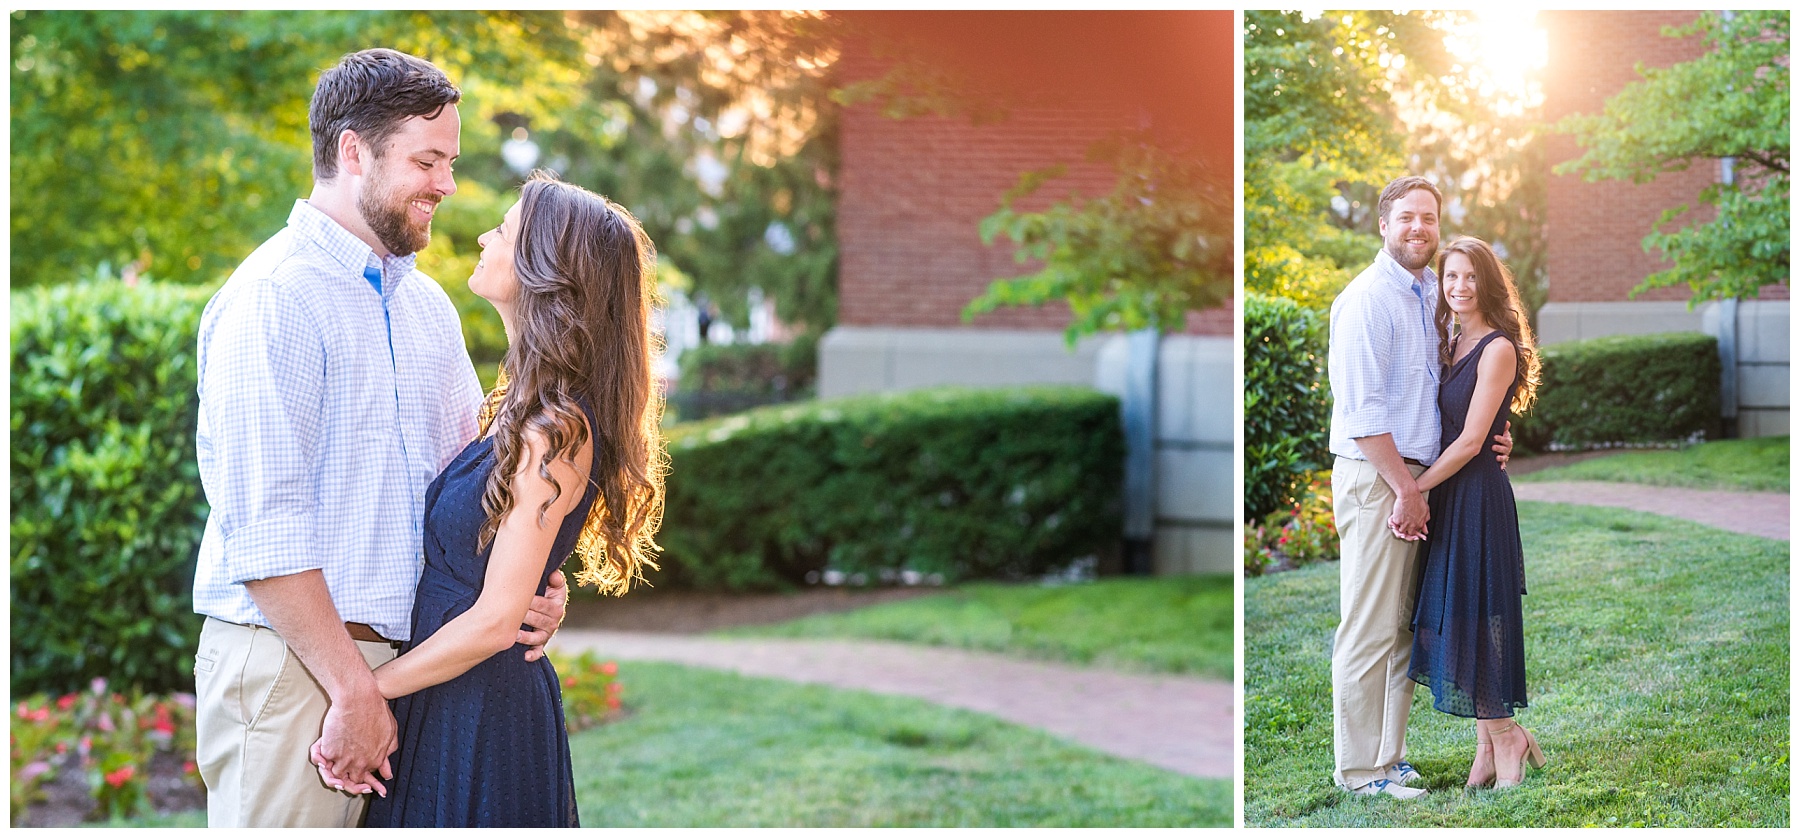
[
  {"x": 572, "y": 461},
  {"x": 1468, "y": 636}
]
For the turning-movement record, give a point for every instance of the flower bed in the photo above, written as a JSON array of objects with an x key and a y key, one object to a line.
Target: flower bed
[
  {"x": 97, "y": 755},
  {"x": 1290, "y": 538}
]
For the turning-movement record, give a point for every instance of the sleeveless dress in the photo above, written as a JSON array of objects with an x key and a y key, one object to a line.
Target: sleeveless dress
[
  {"x": 489, "y": 747},
  {"x": 1468, "y": 634}
]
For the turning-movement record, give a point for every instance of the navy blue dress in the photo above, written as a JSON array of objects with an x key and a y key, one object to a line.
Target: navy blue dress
[
  {"x": 1468, "y": 633},
  {"x": 489, "y": 747}
]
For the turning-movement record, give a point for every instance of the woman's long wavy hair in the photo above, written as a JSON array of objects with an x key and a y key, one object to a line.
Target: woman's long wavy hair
[
  {"x": 1497, "y": 298},
  {"x": 587, "y": 282}
]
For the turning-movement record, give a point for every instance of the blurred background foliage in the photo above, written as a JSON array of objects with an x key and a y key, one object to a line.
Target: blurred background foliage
[
  {"x": 1337, "y": 104},
  {"x": 170, "y": 143}
]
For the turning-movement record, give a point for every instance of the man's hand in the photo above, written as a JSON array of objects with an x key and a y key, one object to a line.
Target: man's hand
[
  {"x": 354, "y": 744},
  {"x": 1503, "y": 445},
  {"x": 545, "y": 615},
  {"x": 1410, "y": 515}
]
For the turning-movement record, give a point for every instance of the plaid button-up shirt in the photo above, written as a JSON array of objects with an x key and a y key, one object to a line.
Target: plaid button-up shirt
[
  {"x": 326, "y": 410},
  {"x": 1383, "y": 361}
]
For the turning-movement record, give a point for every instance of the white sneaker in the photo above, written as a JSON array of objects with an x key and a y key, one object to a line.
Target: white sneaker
[
  {"x": 1389, "y": 788},
  {"x": 1403, "y": 773}
]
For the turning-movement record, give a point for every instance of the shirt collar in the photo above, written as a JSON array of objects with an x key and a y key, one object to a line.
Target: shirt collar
[
  {"x": 344, "y": 247},
  {"x": 1385, "y": 262}
]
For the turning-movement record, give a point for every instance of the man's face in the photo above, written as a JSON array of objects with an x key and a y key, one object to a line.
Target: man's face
[
  {"x": 1410, "y": 231},
  {"x": 405, "y": 182}
]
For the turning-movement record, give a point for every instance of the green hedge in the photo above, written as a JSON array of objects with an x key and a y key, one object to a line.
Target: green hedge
[
  {"x": 717, "y": 379},
  {"x": 1287, "y": 402},
  {"x": 107, "y": 507},
  {"x": 1625, "y": 389},
  {"x": 963, "y": 483}
]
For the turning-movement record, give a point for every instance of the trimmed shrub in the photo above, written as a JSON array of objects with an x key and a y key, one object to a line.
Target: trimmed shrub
[
  {"x": 725, "y": 378},
  {"x": 965, "y": 483},
  {"x": 1625, "y": 389},
  {"x": 1287, "y": 403},
  {"x": 106, "y": 499}
]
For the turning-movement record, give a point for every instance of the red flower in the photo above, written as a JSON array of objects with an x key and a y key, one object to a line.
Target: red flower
[
  {"x": 65, "y": 702},
  {"x": 164, "y": 724},
  {"x": 609, "y": 668},
  {"x": 62, "y": 747},
  {"x": 190, "y": 768},
  {"x": 614, "y": 687},
  {"x": 119, "y": 777},
  {"x": 569, "y": 683},
  {"x": 612, "y": 703}
]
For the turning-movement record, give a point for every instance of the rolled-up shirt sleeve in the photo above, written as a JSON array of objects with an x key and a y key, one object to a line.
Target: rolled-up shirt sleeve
[
  {"x": 263, "y": 423},
  {"x": 1361, "y": 343}
]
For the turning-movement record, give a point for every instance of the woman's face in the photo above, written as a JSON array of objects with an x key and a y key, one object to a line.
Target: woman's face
[
  {"x": 494, "y": 278},
  {"x": 1459, "y": 284}
]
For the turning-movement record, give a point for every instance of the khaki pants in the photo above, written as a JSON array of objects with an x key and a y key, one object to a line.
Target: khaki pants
[
  {"x": 1378, "y": 578},
  {"x": 258, "y": 713}
]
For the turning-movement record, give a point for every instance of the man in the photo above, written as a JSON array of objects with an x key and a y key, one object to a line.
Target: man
[
  {"x": 1383, "y": 363},
  {"x": 334, "y": 386}
]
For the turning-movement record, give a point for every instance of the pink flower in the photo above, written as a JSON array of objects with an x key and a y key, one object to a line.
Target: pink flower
[
  {"x": 189, "y": 767},
  {"x": 118, "y": 778},
  {"x": 106, "y": 723},
  {"x": 609, "y": 668},
  {"x": 614, "y": 688},
  {"x": 98, "y": 685},
  {"x": 65, "y": 702},
  {"x": 24, "y": 710},
  {"x": 569, "y": 683},
  {"x": 62, "y": 747},
  {"x": 33, "y": 769},
  {"x": 612, "y": 703}
]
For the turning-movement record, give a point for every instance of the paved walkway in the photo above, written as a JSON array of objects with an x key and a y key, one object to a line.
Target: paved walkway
[
  {"x": 1180, "y": 723},
  {"x": 1754, "y": 513}
]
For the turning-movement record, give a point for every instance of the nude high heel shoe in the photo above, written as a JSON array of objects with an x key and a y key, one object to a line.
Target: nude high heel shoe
[{"x": 1532, "y": 754}]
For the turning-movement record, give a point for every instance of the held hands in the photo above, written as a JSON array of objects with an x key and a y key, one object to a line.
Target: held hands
[
  {"x": 1410, "y": 516},
  {"x": 358, "y": 735},
  {"x": 545, "y": 615}
]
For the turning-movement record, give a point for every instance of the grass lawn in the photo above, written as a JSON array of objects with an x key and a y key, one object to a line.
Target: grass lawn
[
  {"x": 1657, "y": 659},
  {"x": 706, "y": 748},
  {"x": 1746, "y": 465},
  {"x": 1170, "y": 624},
  {"x": 713, "y": 749}
]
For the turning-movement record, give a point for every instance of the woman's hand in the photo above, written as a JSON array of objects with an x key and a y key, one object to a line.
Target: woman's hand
[{"x": 329, "y": 774}]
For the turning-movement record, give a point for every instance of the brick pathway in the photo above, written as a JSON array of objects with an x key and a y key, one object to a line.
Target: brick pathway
[
  {"x": 1180, "y": 723},
  {"x": 1754, "y": 513}
]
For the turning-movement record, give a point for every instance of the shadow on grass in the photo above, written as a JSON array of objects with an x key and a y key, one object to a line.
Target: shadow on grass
[{"x": 1657, "y": 659}]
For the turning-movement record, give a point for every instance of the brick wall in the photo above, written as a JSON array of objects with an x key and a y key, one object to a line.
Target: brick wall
[
  {"x": 1596, "y": 229},
  {"x": 913, "y": 192}
]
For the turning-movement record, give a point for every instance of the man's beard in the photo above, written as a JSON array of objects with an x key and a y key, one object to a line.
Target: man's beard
[
  {"x": 1397, "y": 249},
  {"x": 388, "y": 217}
]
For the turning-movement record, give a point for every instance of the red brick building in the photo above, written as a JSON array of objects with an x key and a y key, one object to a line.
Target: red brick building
[
  {"x": 1595, "y": 254},
  {"x": 913, "y": 192}
]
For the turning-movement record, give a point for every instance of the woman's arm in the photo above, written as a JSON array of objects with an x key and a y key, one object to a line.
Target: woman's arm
[
  {"x": 521, "y": 547},
  {"x": 1497, "y": 366}
]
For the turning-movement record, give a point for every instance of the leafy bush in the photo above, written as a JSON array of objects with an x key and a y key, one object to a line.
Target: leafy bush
[
  {"x": 1625, "y": 389},
  {"x": 1287, "y": 402},
  {"x": 726, "y": 378},
  {"x": 106, "y": 499},
  {"x": 964, "y": 483}
]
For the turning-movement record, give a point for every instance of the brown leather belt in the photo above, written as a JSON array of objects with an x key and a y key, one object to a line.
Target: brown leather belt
[
  {"x": 361, "y": 631},
  {"x": 1412, "y": 462}
]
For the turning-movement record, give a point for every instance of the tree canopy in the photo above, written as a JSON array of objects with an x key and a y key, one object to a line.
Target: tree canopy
[
  {"x": 1338, "y": 104},
  {"x": 178, "y": 140},
  {"x": 1731, "y": 102}
]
